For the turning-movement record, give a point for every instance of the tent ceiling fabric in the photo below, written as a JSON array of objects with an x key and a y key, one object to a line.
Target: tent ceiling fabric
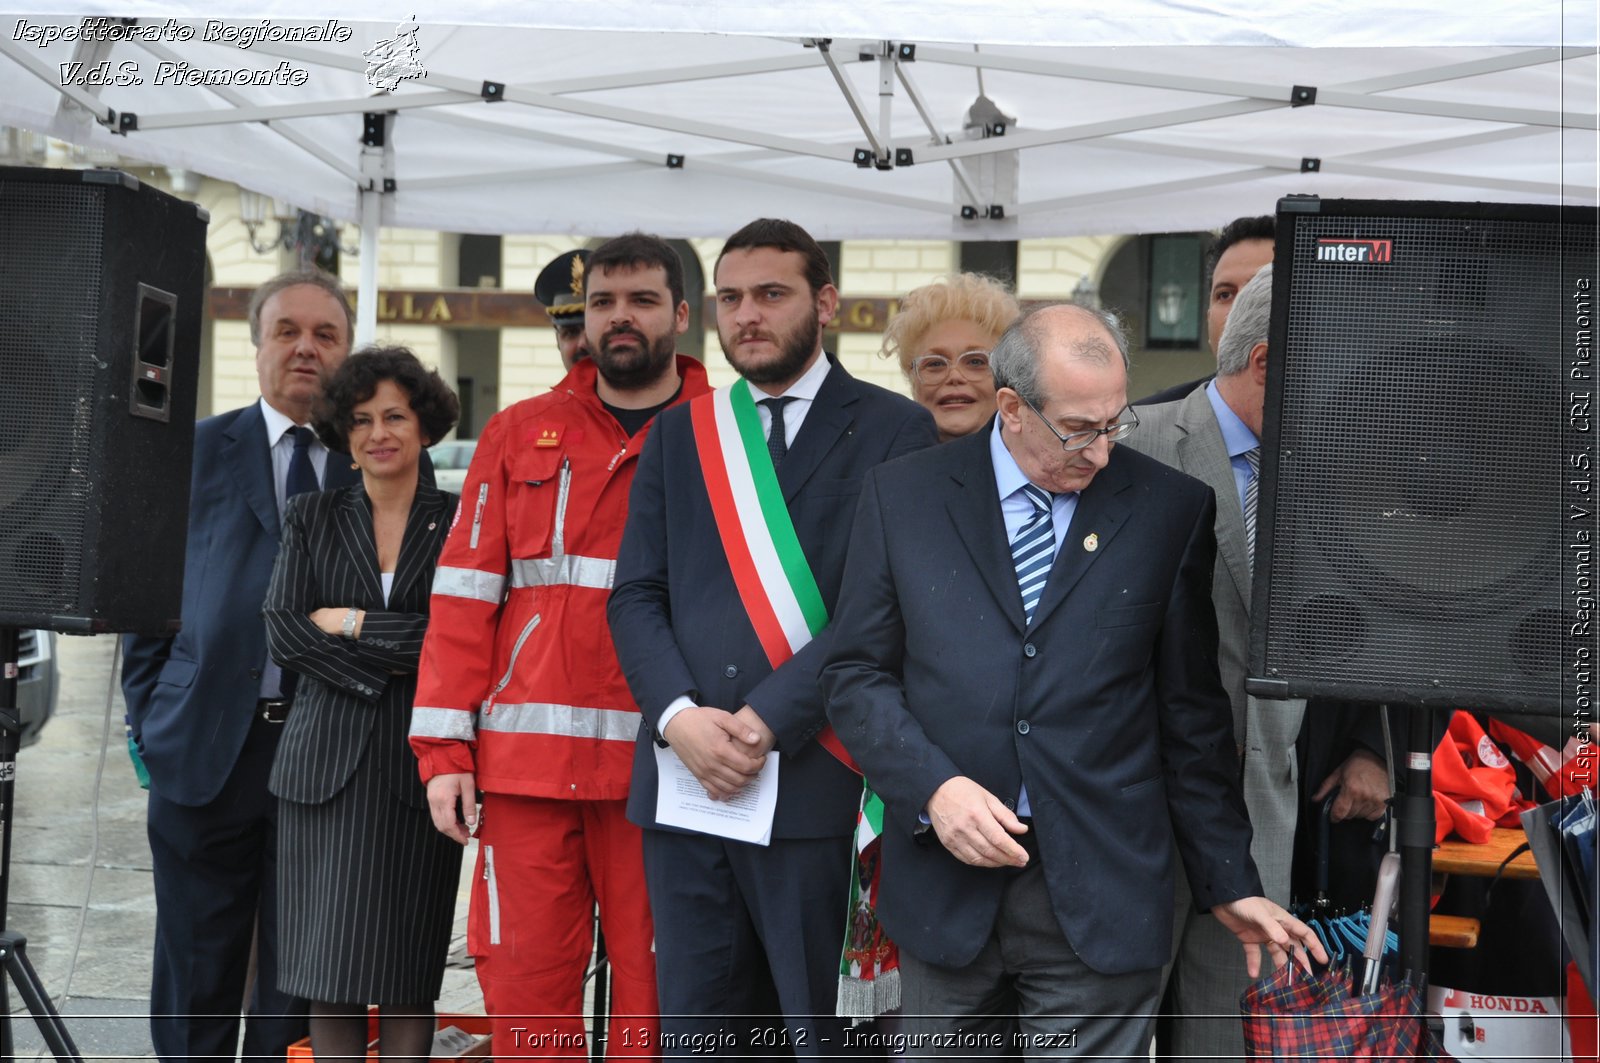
[
  {"x": 1303, "y": 24},
  {"x": 1142, "y": 138}
]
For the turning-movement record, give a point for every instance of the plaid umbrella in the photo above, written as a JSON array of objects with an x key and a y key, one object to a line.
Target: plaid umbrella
[
  {"x": 1352, "y": 1010},
  {"x": 1293, "y": 1015}
]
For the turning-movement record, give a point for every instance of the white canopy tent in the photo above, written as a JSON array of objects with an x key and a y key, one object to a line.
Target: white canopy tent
[{"x": 689, "y": 117}]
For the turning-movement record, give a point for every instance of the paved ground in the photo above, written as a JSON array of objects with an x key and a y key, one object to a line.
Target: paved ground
[{"x": 70, "y": 814}]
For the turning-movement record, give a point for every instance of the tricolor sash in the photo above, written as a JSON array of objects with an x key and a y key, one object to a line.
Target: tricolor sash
[
  {"x": 770, "y": 569},
  {"x": 780, "y": 596}
]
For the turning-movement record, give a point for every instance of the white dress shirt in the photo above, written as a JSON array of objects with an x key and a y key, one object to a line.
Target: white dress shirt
[{"x": 804, "y": 392}]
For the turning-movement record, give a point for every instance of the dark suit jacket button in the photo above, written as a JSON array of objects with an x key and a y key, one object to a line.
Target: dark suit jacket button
[
  {"x": 1029, "y": 649},
  {"x": 1022, "y": 727},
  {"x": 730, "y": 671},
  {"x": 255, "y": 673}
]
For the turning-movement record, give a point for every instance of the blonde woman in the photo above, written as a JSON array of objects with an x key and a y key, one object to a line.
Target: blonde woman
[{"x": 942, "y": 334}]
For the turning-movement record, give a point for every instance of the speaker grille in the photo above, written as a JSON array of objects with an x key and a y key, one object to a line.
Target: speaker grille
[
  {"x": 1419, "y": 452},
  {"x": 50, "y": 290}
]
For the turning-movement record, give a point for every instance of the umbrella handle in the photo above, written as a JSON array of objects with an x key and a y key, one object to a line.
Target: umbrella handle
[{"x": 1382, "y": 905}]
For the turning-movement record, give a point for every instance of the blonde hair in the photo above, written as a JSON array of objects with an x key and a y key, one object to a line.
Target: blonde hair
[{"x": 972, "y": 297}]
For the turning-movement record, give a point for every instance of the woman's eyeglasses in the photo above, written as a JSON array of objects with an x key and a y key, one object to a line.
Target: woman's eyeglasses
[{"x": 932, "y": 369}]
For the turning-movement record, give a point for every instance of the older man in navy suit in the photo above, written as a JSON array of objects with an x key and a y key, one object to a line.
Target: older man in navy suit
[
  {"x": 207, "y": 705},
  {"x": 1024, "y": 664},
  {"x": 740, "y": 926}
]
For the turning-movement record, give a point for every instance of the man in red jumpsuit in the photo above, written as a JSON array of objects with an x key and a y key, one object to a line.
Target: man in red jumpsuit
[{"x": 520, "y": 694}]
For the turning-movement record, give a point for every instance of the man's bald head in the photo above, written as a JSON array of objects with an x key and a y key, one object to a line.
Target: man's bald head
[{"x": 1091, "y": 335}]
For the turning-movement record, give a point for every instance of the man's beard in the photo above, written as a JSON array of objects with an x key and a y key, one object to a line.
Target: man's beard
[
  {"x": 794, "y": 351},
  {"x": 634, "y": 370}
]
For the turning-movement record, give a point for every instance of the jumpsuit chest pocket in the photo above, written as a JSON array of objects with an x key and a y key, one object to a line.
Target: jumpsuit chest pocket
[{"x": 540, "y": 481}]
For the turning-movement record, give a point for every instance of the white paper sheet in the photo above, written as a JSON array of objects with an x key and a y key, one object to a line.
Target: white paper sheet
[{"x": 682, "y": 802}]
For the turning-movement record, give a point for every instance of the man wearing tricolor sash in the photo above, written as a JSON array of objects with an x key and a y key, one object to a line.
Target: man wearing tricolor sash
[
  {"x": 520, "y": 695},
  {"x": 729, "y": 566}
]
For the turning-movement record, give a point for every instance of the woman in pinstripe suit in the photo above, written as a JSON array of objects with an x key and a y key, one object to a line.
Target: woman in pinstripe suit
[{"x": 366, "y": 885}]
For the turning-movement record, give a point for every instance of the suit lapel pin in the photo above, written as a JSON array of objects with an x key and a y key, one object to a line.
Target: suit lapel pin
[{"x": 1091, "y": 542}]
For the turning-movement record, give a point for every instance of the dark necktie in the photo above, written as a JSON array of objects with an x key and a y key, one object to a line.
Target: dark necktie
[
  {"x": 1252, "y": 492},
  {"x": 777, "y": 440},
  {"x": 302, "y": 474},
  {"x": 1034, "y": 549},
  {"x": 302, "y": 478}
]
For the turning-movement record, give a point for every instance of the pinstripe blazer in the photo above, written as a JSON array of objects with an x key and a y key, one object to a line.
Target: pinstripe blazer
[{"x": 353, "y": 693}]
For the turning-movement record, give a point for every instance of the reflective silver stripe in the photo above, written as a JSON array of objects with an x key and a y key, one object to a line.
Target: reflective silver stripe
[
  {"x": 571, "y": 720},
  {"x": 477, "y": 514},
  {"x": 558, "y": 538},
  {"x": 511, "y": 668},
  {"x": 493, "y": 892},
  {"x": 470, "y": 583},
  {"x": 443, "y": 723},
  {"x": 570, "y": 569}
]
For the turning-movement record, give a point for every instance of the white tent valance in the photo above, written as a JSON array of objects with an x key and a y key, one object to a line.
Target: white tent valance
[
  {"x": 1129, "y": 23},
  {"x": 688, "y": 118}
]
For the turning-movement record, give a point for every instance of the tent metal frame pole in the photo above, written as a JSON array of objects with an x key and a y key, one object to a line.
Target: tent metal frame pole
[
  {"x": 937, "y": 133},
  {"x": 857, "y": 107},
  {"x": 238, "y": 101},
  {"x": 1472, "y": 68},
  {"x": 278, "y": 112},
  {"x": 1016, "y": 141},
  {"x": 1247, "y": 89},
  {"x": 704, "y": 163},
  {"x": 806, "y": 184},
  {"x": 1448, "y": 109},
  {"x": 377, "y": 170},
  {"x": 492, "y": 177},
  {"x": 367, "y": 286},
  {"x": 675, "y": 75},
  {"x": 96, "y": 107},
  {"x": 1088, "y": 199},
  {"x": 1336, "y": 165}
]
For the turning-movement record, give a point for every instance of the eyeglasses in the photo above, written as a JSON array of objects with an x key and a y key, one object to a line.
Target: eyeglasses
[
  {"x": 1079, "y": 440},
  {"x": 931, "y": 369}
]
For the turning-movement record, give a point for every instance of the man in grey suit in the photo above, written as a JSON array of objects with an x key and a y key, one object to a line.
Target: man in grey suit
[{"x": 1214, "y": 434}]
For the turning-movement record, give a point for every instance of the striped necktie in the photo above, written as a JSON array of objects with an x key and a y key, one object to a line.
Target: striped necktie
[
  {"x": 1252, "y": 491},
  {"x": 1033, "y": 550}
]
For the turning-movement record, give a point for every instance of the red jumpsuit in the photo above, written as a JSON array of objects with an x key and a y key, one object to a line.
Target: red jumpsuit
[{"x": 520, "y": 685}]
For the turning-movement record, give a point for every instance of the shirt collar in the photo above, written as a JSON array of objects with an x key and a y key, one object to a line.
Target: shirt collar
[
  {"x": 1236, "y": 435},
  {"x": 806, "y": 387},
  {"x": 1008, "y": 476},
  {"x": 277, "y": 422}
]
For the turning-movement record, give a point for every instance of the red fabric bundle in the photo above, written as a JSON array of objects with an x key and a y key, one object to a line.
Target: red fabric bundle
[
  {"x": 1561, "y": 773},
  {"x": 1474, "y": 784}
]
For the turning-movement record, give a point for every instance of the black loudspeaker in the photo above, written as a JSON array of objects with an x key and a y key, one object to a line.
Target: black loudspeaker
[
  {"x": 1427, "y": 513},
  {"x": 101, "y": 282}
]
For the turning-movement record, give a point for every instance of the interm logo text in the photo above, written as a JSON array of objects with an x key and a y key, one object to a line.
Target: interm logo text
[{"x": 1351, "y": 249}]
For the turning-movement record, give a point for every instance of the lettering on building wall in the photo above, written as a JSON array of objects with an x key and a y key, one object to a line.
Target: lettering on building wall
[{"x": 495, "y": 308}]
